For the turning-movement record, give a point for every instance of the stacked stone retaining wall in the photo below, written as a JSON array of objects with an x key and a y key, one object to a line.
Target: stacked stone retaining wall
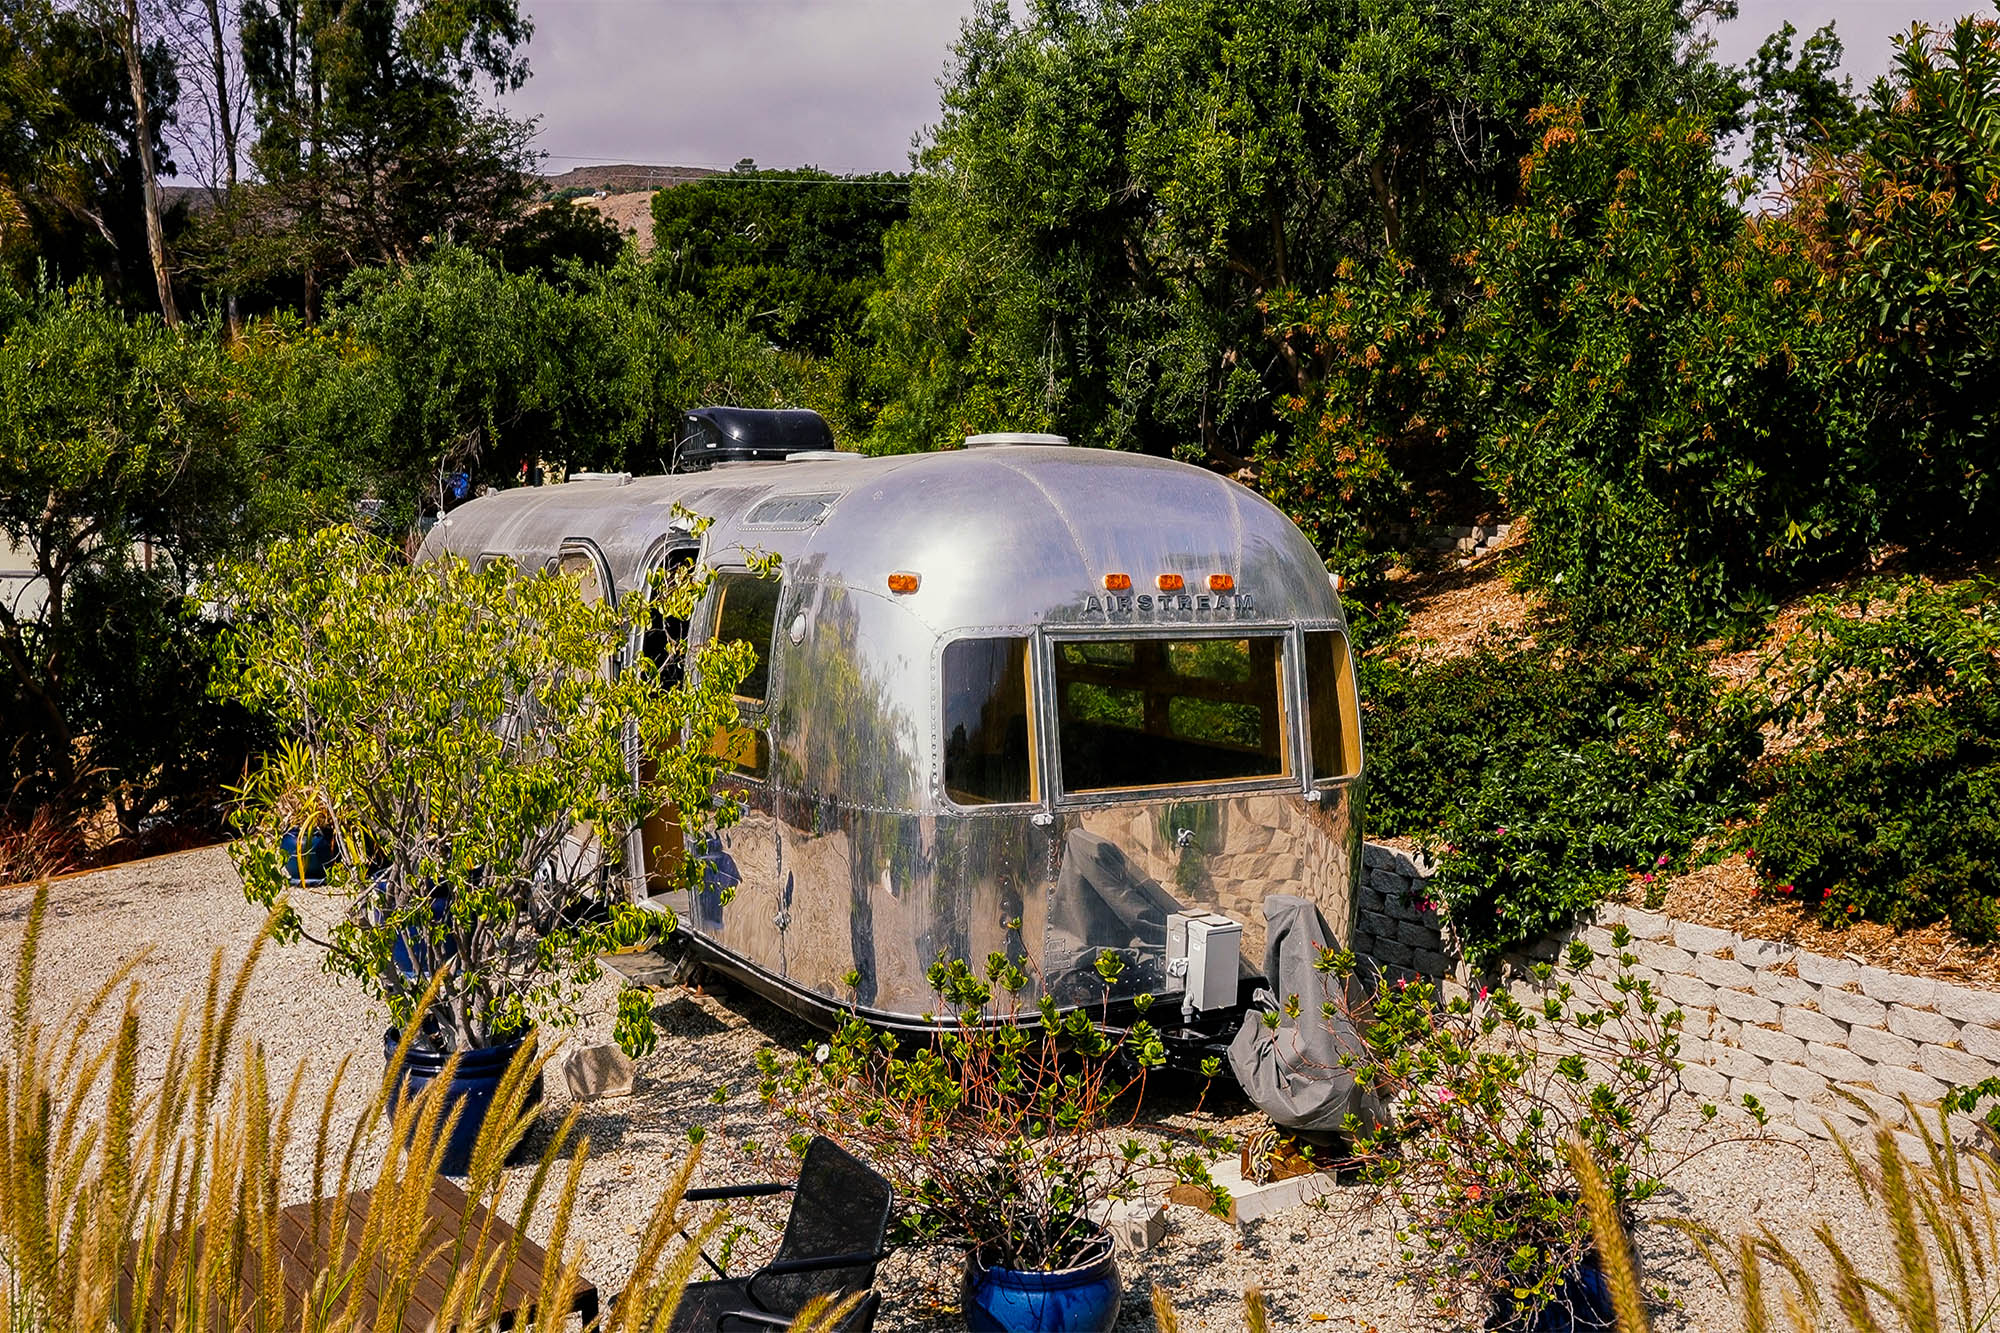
[{"x": 1788, "y": 1026}]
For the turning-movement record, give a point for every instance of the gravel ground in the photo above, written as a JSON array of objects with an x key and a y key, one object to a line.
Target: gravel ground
[{"x": 1319, "y": 1269}]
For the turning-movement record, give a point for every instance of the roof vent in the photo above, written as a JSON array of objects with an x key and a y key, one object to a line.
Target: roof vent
[{"x": 1012, "y": 437}]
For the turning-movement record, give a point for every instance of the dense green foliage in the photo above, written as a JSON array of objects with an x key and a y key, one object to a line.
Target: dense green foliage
[
  {"x": 1545, "y": 775},
  {"x": 1892, "y": 812},
  {"x": 796, "y": 254},
  {"x": 1659, "y": 386},
  {"x": 1116, "y": 191},
  {"x": 120, "y": 482},
  {"x": 454, "y": 729}
]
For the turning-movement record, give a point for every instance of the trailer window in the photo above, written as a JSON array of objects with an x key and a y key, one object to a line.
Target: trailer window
[
  {"x": 746, "y": 612},
  {"x": 1167, "y": 712},
  {"x": 1333, "y": 715},
  {"x": 988, "y": 731}
]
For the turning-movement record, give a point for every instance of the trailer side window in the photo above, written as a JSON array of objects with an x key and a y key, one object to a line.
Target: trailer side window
[
  {"x": 1333, "y": 717},
  {"x": 1137, "y": 713},
  {"x": 988, "y": 730},
  {"x": 747, "y": 612}
]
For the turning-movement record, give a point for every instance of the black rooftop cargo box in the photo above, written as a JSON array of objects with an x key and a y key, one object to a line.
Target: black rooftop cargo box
[{"x": 711, "y": 435}]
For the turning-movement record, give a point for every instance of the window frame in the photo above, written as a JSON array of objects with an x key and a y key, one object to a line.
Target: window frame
[
  {"x": 1290, "y": 689},
  {"x": 1346, "y": 689},
  {"x": 1038, "y": 730},
  {"x": 752, "y": 713}
]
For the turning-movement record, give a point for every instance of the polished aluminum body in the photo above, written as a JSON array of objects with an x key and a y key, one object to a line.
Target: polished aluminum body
[{"x": 852, "y": 863}]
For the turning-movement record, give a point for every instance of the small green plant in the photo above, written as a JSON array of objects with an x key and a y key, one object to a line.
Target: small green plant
[
  {"x": 997, "y": 1127},
  {"x": 468, "y": 736},
  {"x": 1483, "y": 1091},
  {"x": 633, "y": 1030}
]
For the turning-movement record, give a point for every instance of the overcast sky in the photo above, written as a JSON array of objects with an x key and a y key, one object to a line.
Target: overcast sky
[{"x": 844, "y": 84}]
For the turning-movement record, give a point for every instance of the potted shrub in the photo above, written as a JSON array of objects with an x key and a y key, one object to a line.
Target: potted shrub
[
  {"x": 1486, "y": 1093},
  {"x": 468, "y": 736},
  {"x": 306, "y": 847},
  {"x": 998, "y": 1130}
]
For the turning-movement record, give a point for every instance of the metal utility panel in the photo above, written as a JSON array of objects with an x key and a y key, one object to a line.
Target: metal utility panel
[{"x": 1209, "y": 946}]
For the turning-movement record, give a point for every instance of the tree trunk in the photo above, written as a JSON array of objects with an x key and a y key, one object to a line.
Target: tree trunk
[
  {"x": 225, "y": 123},
  {"x": 156, "y": 241}
]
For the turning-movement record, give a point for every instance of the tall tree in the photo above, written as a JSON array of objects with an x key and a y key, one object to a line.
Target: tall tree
[
  {"x": 1142, "y": 178},
  {"x": 131, "y": 38},
  {"x": 205, "y": 37},
  {"x": 371, "y": 140}
]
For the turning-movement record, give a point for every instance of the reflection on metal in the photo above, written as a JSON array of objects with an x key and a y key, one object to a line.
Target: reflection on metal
[{"x": 854, "y": 868}]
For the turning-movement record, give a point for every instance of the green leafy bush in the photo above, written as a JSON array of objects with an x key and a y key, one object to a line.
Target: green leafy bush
[
  {"x": 1667, "y": 399},
  {"x": 1545, "y": 774},
  {"x": 460, "y": 733},
  {"x": 995, "y": 1126},
  {"x": 1486, "y": 1095},
  {"x": 1894, "y": 814}
]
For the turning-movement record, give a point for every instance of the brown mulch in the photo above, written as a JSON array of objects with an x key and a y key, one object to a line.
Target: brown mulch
[
  {"x": 1724, "y": 895},
  {"x": 1453, "y": 607}
]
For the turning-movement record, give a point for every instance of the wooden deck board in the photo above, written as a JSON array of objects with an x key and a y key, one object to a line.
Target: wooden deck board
[{"x": 303, "y": 1255}]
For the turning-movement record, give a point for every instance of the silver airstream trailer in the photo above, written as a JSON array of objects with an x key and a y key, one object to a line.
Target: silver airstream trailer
[{"x": 1016, "y": 697}]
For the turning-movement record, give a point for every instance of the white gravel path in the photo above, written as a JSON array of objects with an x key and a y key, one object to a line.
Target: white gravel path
[{"x": 1319, "y": 1272}]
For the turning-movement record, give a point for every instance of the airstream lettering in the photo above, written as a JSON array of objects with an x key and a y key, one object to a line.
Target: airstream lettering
[{"x": 1018, "y": 698}]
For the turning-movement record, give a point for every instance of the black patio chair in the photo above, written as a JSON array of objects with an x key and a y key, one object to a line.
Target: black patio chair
[{"x": 832, "y": 1242}]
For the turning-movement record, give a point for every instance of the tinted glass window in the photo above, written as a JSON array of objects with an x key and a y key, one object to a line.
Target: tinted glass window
[
  {"x": 988, "y": 731},
  {"x": 1166, "y": 712},
  {"x": 1333, "y": 718},
  {"x": 747, "y": 613}
]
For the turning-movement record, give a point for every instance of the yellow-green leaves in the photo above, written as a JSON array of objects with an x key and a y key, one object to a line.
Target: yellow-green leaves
[{"x": 480, "y": 747}]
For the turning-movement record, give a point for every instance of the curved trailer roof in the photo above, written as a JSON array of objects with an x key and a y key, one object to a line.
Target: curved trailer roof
[{"x": 1006, "y": 535}]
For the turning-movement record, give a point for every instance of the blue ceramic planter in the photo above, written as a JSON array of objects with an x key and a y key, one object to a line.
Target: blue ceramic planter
[
  {"x": 307, "y": 865},
  {"x": 1582, "y": 1305},
  {"x": 410, "y": 950},
  {"x": 1083, "y": 1299},
  {"x": 472, "y": 1087}
]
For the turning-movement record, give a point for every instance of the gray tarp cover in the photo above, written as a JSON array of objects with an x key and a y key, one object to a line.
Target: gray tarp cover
[{"x": 1293, "y": 1072}]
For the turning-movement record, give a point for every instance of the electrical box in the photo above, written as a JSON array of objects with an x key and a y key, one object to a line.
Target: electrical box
[{"x": 1203, "y": 949}]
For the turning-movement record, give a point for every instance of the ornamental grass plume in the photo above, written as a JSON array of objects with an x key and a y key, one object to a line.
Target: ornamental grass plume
[
  {"x": 1936, "y": 1213},
  {"x": 104, "y": 1177}
]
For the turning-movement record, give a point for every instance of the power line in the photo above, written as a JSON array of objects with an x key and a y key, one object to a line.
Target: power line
[{"x": 688, "y": 174}]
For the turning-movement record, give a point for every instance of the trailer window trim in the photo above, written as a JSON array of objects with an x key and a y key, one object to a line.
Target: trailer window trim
[
  {"x": 1332, "y": 715},
  {"x": 1278, "y": 749},
  {"x": 746, "y": 747},
  {"x": 964, "y": 798}
]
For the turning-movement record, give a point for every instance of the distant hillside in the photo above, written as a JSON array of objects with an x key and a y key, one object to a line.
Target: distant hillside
[{"x": 627, "y": 178}]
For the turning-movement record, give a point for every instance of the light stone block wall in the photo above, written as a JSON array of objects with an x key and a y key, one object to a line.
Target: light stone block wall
[{"x": 1782, "y": 1024}]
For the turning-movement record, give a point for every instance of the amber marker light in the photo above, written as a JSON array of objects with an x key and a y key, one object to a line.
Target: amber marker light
[
  {"x": 1117, "y": 583},
  {"x": 1171, "y": 582},
  {"x": 1220, "y": 583},
  {"x": 903, "y": 581}
]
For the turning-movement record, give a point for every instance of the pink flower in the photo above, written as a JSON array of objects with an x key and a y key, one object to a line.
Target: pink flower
[
  {"x": 1501, "y": 830},
  {"x": 1662, "y": 861},
  {"x": 1646, "y": 879},
  {"x": 1484, "y": 992}
]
